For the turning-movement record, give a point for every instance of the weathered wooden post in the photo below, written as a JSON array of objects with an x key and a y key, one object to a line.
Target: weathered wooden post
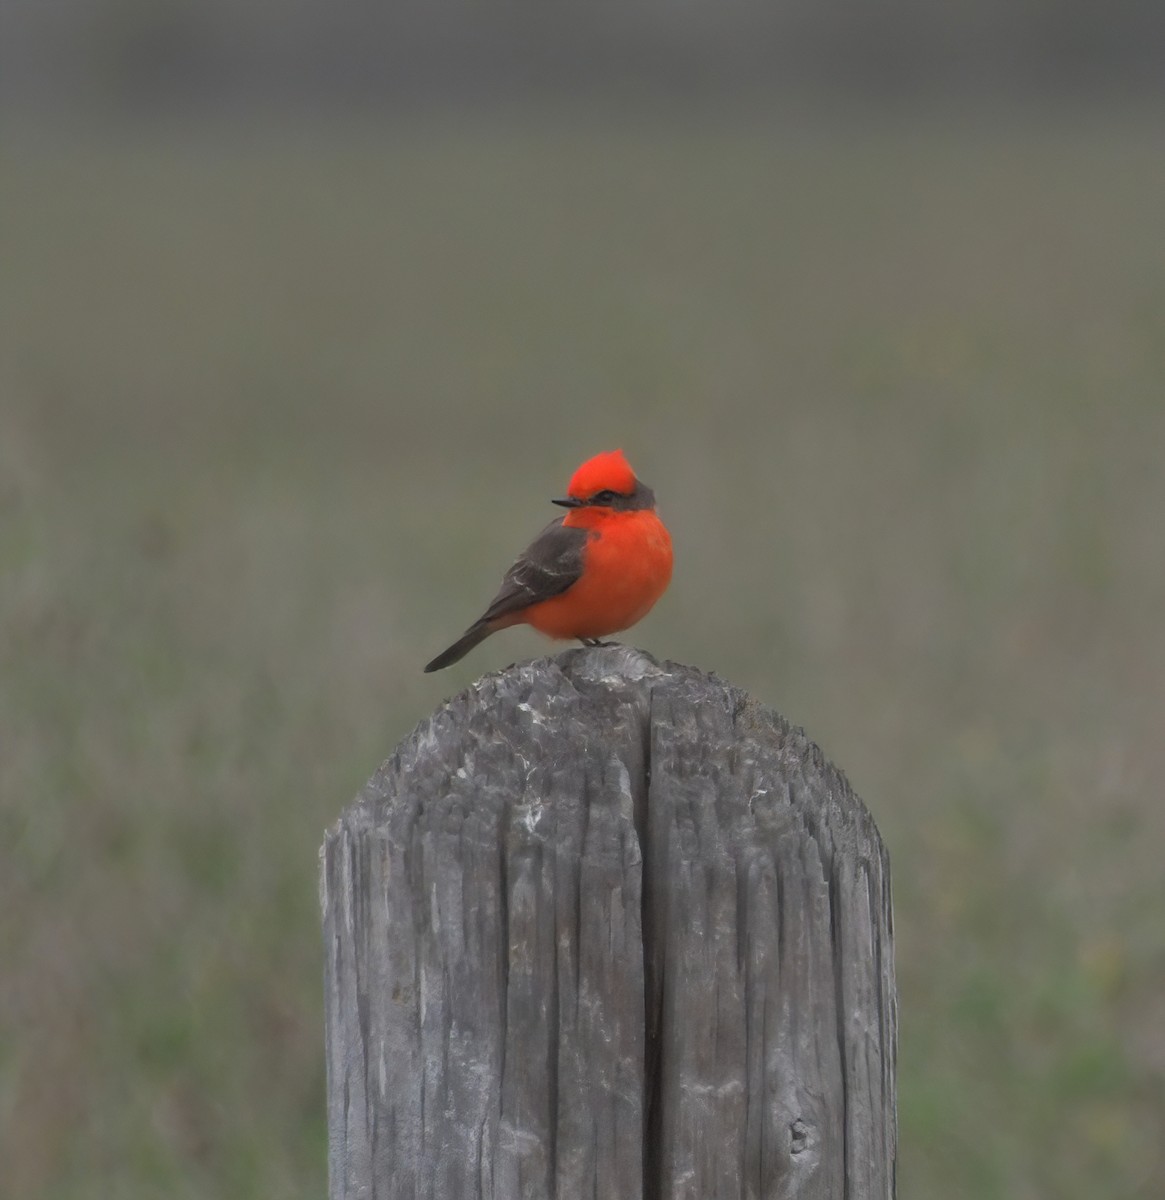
[{"x": 608, "y": 928}]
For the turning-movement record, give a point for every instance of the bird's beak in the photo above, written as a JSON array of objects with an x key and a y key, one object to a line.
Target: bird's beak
[{"x": 569, "y": 502}]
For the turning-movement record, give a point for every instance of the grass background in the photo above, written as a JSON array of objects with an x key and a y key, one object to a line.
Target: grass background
[{"x": 277, "y": 407}]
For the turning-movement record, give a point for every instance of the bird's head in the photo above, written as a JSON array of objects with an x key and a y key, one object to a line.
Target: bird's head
[{"x": 607, "y": 482}]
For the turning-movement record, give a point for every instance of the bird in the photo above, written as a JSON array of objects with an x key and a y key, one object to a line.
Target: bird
[{"x": 595, "y": 571}]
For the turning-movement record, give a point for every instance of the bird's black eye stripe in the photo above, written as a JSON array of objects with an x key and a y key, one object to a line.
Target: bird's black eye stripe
[{"x": 604, "y": 497}]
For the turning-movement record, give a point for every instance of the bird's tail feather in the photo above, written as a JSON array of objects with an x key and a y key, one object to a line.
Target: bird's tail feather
[{"x": 477, "y": 632}]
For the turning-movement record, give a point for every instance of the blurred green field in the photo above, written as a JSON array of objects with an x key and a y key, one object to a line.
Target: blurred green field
[{"x": 276, "y": 407}]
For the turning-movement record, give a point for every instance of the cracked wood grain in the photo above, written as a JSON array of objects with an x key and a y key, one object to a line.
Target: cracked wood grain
[{"x": 603, "y": 927}]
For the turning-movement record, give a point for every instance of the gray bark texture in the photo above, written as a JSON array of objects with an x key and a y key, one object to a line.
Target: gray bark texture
[{"x": 607, "y": 928}]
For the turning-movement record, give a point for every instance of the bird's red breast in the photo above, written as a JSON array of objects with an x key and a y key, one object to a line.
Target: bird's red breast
[{"x": 627, "y": 565}]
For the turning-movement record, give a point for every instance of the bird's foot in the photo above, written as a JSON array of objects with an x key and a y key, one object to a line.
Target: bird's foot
[{"x": 596, "y": 642}]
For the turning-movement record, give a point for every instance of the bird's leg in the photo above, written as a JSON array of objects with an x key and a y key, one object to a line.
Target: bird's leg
[{"x": 596, "y": 642}]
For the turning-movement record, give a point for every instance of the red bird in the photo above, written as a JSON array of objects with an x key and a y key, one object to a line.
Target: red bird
[{"x": 595, "y": 571}]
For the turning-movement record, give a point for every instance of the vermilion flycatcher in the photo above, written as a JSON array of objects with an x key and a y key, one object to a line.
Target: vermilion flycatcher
[{"x": 595, "y": 571}]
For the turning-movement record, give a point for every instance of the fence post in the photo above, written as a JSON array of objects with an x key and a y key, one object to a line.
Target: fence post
[{"x": 602, "y": 927}]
